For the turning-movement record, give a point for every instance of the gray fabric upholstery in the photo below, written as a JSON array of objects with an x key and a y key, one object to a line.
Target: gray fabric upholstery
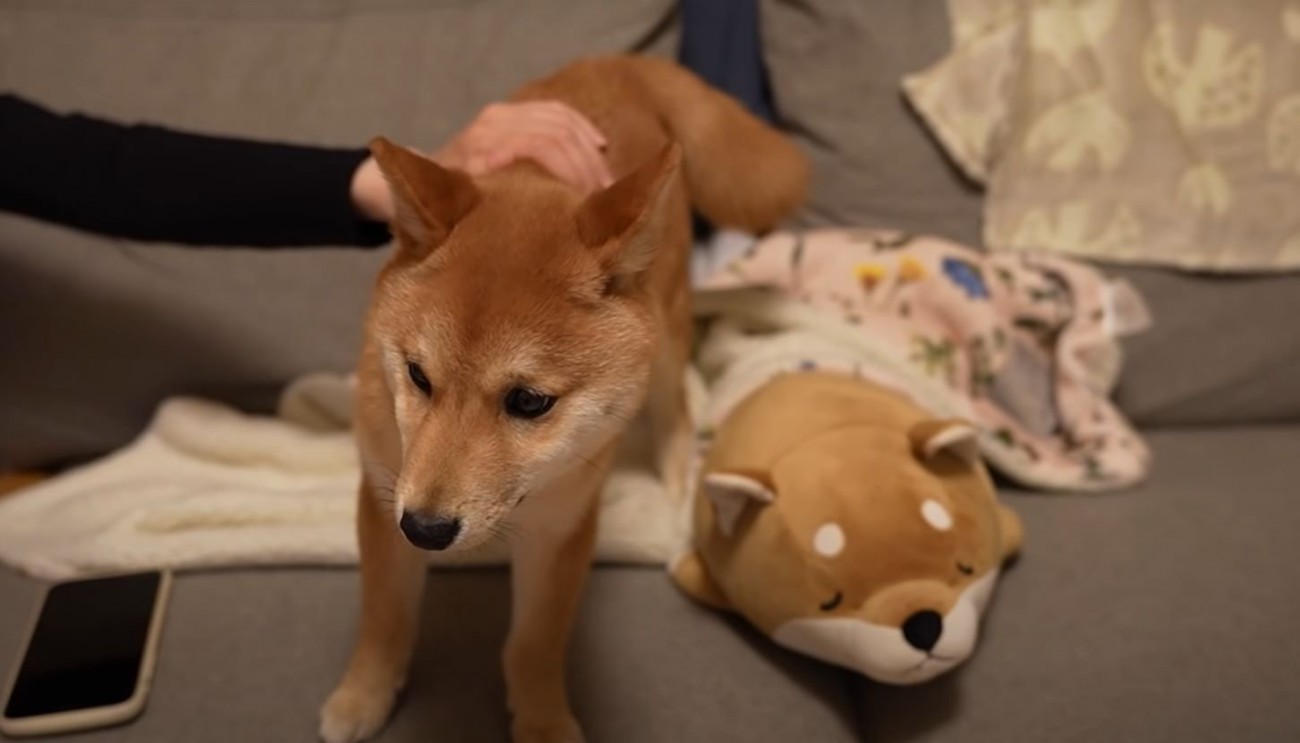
[
  {"x": 250, "y": 656},
  {"x": 1164, "y": 614},
  {"x": 97, "y": 331},
  {"x": 1224, "y": 349},
  {"x": 834, "y": 71},
  {"x": 105, "y": 331}
]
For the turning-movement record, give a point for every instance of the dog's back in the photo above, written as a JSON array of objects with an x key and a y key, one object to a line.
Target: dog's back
[
  {"x": 739, "y": 172},
  {"x": 735, "y": 170}
]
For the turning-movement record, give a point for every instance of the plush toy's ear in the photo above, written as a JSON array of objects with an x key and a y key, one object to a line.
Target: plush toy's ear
[
  {"x": 933, "y": 437},
  {"x": 428, "y": 200},
  {"x": 624, "y": 223},
  {"x": 1012, "y": 530},
  {"x": 731, "y": 492}
]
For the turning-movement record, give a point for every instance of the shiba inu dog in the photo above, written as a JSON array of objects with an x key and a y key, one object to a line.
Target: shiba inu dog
[{"x": 516, "y": 331}]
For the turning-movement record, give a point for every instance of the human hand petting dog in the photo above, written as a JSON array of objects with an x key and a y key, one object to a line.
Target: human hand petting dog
[{"x": 550, "y": 133}]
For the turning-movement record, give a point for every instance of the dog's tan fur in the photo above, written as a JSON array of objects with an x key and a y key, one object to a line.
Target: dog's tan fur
[{"x": 516, "y": 280}]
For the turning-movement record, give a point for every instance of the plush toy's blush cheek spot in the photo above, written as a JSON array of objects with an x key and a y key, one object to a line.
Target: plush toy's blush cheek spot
[
  {"x": 829, "y": 540},
  {"x": 936, "y": 515}
]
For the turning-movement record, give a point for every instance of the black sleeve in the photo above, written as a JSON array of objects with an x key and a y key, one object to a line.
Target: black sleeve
[{"x": 150, "y": 183}]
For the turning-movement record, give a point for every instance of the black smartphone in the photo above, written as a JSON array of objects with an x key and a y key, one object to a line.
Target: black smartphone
[{"x": 89, "y": 656}]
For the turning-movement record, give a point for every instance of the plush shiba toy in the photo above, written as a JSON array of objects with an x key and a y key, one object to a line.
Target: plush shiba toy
[{"x": 848, "y": 524}]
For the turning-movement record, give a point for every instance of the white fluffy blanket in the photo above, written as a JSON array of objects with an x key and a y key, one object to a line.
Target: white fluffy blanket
[{"x": 206, "y": 486}]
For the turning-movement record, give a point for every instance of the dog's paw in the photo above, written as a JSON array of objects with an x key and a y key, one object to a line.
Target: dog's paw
[
  {"x": 562, "y": 730},
  {"x": 354, "y": 713}
]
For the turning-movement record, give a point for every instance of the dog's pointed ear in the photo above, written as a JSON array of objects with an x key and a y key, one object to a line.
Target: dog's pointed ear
[
  {"x": 934, "y": 437},
  {"x": 732, "y": 492},
  {"x": 624, "y": 223},
  {"x": 428, "y": 199}
]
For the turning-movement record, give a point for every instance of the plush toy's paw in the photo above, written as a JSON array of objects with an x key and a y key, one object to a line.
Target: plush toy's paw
[
  {"x": 355, "y": 712},
  {"x": 690, "y": 574},
  {"x": 562, "y": 730}
]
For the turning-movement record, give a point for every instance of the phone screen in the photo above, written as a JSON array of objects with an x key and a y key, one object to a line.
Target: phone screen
[{"x": 88, "y": 645}]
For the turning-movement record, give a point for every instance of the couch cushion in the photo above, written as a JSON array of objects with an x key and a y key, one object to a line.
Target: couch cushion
[
  {"x": 835, "y": 72},
  {"x": 1223, "y": 349},
  {"x": 251, "y": 655},
  {"x": 1164, "y": 614},
  {"x": 107, "y": 328}
]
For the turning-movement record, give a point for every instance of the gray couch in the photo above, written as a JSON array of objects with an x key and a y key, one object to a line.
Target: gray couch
[{"x": 1163, "y": 614}]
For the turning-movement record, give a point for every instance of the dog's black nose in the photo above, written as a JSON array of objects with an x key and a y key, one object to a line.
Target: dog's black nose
[
  {"x": 429, "y": 534},
  {"x": 922, "y": 629}
]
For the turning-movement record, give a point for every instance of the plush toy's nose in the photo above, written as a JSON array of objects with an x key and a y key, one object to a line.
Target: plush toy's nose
[{"x": 922, "y": 629}]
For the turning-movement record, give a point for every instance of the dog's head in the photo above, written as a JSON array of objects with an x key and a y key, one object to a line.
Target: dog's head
[
  {"x": 513, "y": 331},
  {"x": 872, "y": 548}
]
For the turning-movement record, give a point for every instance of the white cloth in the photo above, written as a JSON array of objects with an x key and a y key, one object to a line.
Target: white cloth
[{"x": 206, "y": 486}]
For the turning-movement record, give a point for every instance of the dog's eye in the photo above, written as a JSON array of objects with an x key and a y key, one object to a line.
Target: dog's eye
[
  {"x": 522, "y": 402},
  {"x": 965, "y": 569},
  {"x": 834, "y": 602},
  {"x": 420, "y": 381}
]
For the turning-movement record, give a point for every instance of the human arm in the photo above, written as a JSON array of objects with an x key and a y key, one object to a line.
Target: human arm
[
  {"x": 151, "y": 183},
  {"x": 155, "y": 184}
]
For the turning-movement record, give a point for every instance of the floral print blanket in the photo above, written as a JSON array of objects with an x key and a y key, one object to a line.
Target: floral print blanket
[{"x": 1023, "y": 345}]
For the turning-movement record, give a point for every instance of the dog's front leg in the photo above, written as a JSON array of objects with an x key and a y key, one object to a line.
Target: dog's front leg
[
  {"x": 392, "y": 581},
  {"x": 549, "y": 571}
]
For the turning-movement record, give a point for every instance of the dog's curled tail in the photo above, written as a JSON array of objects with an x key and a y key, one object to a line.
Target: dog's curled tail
[{"x": 740, "y": 172}]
